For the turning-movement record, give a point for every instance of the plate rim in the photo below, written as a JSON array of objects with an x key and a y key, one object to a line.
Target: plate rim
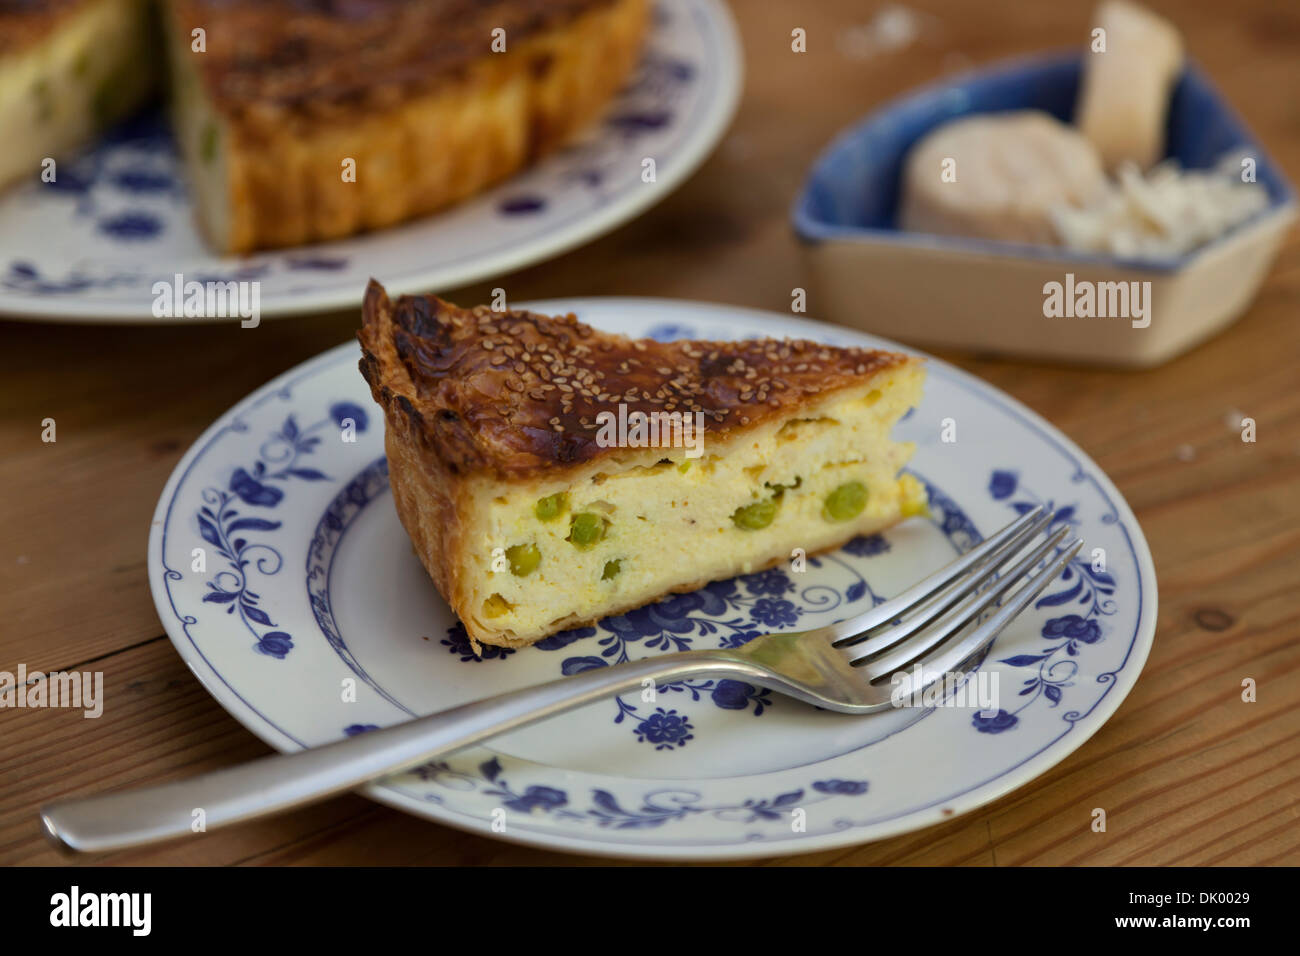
[
  {"x": 981, "y": 795},
  {"x": 718, "y": 113}
]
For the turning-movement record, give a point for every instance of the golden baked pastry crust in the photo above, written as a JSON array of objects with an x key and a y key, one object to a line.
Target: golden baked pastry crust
[
  {"x": 478, "y": 402},
  {"x": 515, "y": 394},
  {"x": 408, "y": 89}
]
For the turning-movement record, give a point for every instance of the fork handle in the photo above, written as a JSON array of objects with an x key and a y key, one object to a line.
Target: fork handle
[{"x": 280, "y": 782}]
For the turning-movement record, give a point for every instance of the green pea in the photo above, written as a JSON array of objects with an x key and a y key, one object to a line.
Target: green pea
[
  {"x": 845, "y": 502},
  {"x": 780, "y": 489},
  {"x": 586, "y": 529},
  {"x": 755, "y": 516},
  {"x": 208, "y": 143},
  {"x": 44, "y": 103},
  {"x": 685, "y": 466},
  {"x": 551, "y": 507},
  {"x": 611, "y": 570},
  {"x": 524, "y": 559},
  {"x": 107, "y": 102},
  {"x": 103, "y": 103}
]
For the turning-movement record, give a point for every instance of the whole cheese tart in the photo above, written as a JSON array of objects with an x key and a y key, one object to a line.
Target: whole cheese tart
[
  {"x": 306, "y": 120},
  {"x": 68, "y": 68},
  {"x": 523, "y": 469}
]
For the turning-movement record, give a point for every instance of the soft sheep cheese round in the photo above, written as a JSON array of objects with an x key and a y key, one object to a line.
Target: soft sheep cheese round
[
  {"x": 998, "y": 176},
  {"x": 1124, "y": 97}
]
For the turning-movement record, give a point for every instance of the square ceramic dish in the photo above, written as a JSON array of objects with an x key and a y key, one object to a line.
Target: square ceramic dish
[{"x": 987, "y": 295}]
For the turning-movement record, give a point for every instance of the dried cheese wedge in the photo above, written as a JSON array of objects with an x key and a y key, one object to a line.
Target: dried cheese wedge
[{"x": 1124, "y": 99}]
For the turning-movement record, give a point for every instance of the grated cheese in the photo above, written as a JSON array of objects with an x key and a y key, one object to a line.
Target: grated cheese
[{"x": 1164, "y": 214}]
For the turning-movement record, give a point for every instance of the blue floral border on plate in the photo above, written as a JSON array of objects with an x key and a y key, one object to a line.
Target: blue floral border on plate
[{"x": 486, "y": 776}]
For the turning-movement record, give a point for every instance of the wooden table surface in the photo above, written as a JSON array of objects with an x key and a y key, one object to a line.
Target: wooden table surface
[{"x": 1188, "y": 773}]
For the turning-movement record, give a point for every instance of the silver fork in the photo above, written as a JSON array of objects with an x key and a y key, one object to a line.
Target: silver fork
[{"x": 941, "y": 622}]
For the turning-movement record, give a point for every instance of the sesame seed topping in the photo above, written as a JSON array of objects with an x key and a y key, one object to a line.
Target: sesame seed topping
[{"x": 555, "y": 373}]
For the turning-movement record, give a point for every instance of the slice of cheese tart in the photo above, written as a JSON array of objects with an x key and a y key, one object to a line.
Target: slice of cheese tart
[
  {"x": 549, "y": 474},
  {"x": 308, "y": 120},
  {"x": 68, "y": 69}
]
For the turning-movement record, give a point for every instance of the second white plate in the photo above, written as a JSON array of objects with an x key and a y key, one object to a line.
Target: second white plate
[{"x": 90, "y": 245}]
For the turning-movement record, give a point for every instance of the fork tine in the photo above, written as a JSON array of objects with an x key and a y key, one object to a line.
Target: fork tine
[
  {"x": 948, "y": 661},
  {"x": 1003, "y": 542},
  {"x": 883, "y": 636},
  {"x": 960, "y": 616}
]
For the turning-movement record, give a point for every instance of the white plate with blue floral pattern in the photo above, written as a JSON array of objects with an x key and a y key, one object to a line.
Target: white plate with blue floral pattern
[
  {"x": 309, "y": 585},
  {"x": 90, "y": 245}
]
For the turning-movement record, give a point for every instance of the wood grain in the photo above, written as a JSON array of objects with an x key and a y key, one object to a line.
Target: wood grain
[{"x": 1188, "y": 773}]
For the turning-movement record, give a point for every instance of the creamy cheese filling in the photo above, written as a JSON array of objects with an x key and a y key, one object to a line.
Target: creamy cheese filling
[
  {"x": 90, "y": 71},
  {"x": 638, "y": 525}
]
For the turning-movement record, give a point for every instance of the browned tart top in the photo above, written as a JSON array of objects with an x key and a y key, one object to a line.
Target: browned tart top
[
  {"x": 318, "y": 55},
  {"x": 516, "y": 394}
]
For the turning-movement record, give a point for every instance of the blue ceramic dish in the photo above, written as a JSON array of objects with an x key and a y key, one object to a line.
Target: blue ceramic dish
[
  {"x": 853, "y": 189},
  {"x": 846, "y": 216}
]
